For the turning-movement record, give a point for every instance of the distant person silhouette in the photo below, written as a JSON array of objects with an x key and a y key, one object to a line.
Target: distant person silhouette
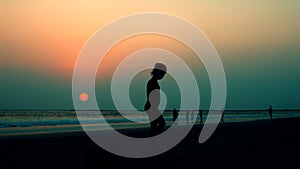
[
  {"x": 157, "y": 121},
  {"x": 222, "y": 117},
  {"x": 270, "y": 112},
  {"x": 187, "y": 113},
  {"x": 175, "y": 115},
  {"x": 193, "y": 116},
  {"x": 201, "y": 116}
]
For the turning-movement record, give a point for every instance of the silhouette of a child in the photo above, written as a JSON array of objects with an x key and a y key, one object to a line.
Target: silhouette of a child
[{"x": 157, "y": 122}]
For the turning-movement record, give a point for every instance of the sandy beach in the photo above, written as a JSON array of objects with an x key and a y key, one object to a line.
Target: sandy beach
[{"x": 257, "y": 144}]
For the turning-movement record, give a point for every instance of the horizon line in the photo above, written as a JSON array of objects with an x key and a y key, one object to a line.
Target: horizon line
[{"x": 282, "y": 109}]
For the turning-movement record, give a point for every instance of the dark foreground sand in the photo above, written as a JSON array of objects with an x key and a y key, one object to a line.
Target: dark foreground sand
[{"x": 260, "y": 144}]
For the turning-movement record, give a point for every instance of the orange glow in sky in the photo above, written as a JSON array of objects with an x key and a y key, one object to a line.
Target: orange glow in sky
[
  {"x": 257, "y": 41},
  {"x": 130, "y": 45},
  {"x": 48, "y": 35}
]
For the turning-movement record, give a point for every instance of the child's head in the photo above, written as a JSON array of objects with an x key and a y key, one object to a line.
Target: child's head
[{"x": 159, "y": 71}]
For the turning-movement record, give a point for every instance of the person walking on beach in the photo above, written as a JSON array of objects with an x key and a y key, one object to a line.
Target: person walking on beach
[
  {"x": 187, "y": 117},
  {"x": 193, "y": 116},
  {"x": 157, "y": 121},
  {"x": 270, "y": 112},
  {"x": 201, "y": 116},
  {"x": 175, "y": 115},
  {"x": 222, "y": 115}
]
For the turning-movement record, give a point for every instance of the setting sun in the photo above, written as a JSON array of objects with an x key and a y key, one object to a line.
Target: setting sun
[{"x": 84, "y": 97}]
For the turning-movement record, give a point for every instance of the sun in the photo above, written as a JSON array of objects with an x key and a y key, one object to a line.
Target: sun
[{"x": 84, "y": 97}]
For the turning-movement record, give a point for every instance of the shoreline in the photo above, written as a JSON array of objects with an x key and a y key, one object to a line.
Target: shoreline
[
  {"x": 256, "y": 144},
  {"x": 40, "y": 131}
]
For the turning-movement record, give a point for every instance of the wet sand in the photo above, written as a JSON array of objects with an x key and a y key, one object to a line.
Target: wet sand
[{"x": 257, "y": 144}]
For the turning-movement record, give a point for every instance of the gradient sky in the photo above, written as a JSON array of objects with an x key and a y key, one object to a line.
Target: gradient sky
[{"x": 258, "y": 42}]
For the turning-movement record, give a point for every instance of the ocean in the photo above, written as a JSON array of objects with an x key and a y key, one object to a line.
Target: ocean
[{"x": 14, "y": 122}]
